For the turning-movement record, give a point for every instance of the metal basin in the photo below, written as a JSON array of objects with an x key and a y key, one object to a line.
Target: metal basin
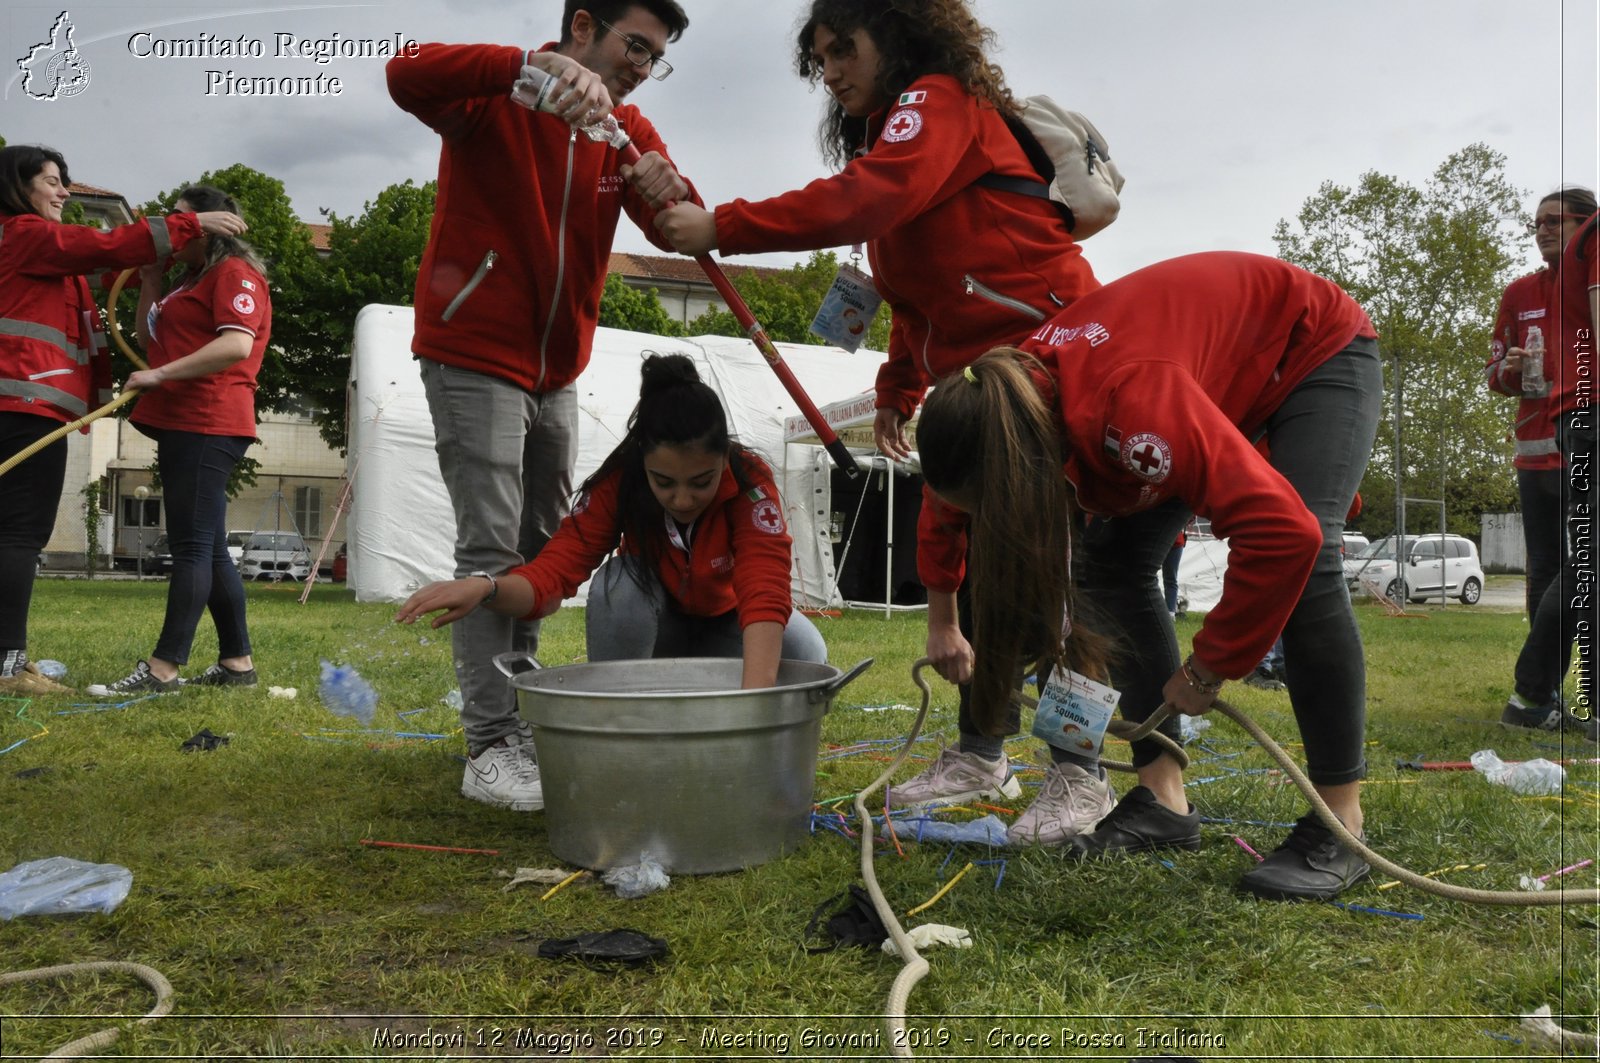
[{"x": 669, "y": 757}]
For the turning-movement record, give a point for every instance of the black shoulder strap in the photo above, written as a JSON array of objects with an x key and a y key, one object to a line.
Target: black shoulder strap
[{"x": 1039, "y": 159}]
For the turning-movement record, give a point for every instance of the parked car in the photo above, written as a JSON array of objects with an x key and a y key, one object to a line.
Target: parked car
[
  {"x": 159, "y": 559},
  {"x": 236, "y": 541},
  {"x": 275, "y": 555},
  {"x": 1355, "y": 543},
  {"x": 1431, "y": 561}
]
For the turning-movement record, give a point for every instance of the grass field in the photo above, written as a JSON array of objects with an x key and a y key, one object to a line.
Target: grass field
[{"x": 287, "y": 939}]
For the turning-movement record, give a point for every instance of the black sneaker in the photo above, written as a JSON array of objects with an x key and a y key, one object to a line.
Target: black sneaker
[
  {"x": 1310, "y": 865},
  {"x": 139, "y": 681},
  {"x": 1138, "y": 824},
  {"x": 218, "y": 676},
  {"x": 1550, "y": 716},
  {"x": 1263, "y": 679}
]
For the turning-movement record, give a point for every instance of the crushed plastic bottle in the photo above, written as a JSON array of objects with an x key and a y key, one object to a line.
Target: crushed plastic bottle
[
  {"x": 1534, "y": 383},
  {"x": 52, "y": 669},
  {"x": 638, "y": 880},
  {"x": 453, "y": 699},
  {"x": 1189, "y": 727},
  {"x": 535, "y": 90},
  {"x": 345, "y": 693},
  {"x": 1535, "y": 777}
]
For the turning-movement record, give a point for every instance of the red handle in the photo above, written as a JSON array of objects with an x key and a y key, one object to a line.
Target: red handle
[{"x": 758, "y": 336}]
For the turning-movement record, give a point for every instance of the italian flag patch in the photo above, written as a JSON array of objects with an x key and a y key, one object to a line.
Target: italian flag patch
[{"x": 908, "y": 98}]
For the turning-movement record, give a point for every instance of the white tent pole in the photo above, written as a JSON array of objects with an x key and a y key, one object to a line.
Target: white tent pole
[{"x": 888, "y": 536}]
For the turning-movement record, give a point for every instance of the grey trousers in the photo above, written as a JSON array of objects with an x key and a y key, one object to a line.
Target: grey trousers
[
  {"x": 627, "y": 622},
  {"x": 506, "y": 456}
]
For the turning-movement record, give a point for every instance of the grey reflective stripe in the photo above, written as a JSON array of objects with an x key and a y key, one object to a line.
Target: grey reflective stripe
[
  {"x": 159, "y": 233},
  {"x": 25, "y": 389},
  {"x": 1532, "y": 448},
  {"x": 32, "y": 330}
]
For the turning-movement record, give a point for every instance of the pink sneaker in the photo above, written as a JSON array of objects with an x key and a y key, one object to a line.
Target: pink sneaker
[
  {"x": 1071, "y": 801},
  {"x": 954, "y": 777}
]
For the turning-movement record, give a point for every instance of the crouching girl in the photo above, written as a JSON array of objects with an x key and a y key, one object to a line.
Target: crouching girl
[{"x": 704, "y": 559}]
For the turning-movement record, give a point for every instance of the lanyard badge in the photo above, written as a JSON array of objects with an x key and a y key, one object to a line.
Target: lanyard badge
[
  {"x": 846, "y": 313},
  {"x": 1073, "y": 712}
]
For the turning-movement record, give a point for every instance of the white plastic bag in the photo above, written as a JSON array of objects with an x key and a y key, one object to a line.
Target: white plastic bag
[{"x": 60, "y": 885}]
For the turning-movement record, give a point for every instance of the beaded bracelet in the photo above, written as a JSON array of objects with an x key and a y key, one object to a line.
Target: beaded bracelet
[{"x": 1194, "y": 678}]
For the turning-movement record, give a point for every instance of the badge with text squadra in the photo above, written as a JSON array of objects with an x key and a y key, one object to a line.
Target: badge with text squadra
[
  {"x": 846, "y": 313},
  {"x": 1073, "y": 712}
]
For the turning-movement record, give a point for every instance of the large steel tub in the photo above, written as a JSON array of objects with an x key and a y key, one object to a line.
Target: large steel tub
[{"x": 669, "y": 757}]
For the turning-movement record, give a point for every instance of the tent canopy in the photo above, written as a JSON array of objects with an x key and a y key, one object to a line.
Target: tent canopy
[{"x": 402, "y": 531}]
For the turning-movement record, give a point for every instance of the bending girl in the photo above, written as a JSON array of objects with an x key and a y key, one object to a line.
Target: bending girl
[{"x": 1141, "y": 402}]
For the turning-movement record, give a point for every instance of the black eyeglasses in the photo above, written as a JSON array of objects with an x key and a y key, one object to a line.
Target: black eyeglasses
[
  {"x": 639, "y": 54},
  {"x": 1553, "y": 221}
]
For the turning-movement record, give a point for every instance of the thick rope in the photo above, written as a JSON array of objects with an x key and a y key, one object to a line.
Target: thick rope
[
  {"x": 84, "y": 1045},
  {"x": 916, "y": 968}
]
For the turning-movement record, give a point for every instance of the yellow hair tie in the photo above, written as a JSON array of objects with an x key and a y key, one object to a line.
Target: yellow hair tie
[{"x": 967, "y": 372}]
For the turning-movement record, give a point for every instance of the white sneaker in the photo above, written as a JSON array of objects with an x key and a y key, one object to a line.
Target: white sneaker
[
  {"x": 1071, "y": 801},
  {"x": 504, "y": 776},
  {"x": 954, "y": 777}
]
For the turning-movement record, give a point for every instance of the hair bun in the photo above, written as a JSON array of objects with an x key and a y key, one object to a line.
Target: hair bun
[{"x": 663, "y": 372}]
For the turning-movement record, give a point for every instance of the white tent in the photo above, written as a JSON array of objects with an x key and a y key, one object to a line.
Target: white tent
[{"x": 401, "y": 529}]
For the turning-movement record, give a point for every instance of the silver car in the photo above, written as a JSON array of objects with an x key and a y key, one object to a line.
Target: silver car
[{"x": 275, "y": 556}]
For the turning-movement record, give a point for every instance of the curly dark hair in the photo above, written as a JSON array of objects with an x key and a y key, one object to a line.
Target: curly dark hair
[{"x": 915, "y": 38}]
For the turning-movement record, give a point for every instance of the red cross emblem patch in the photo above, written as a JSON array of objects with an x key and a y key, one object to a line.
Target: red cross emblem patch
[
  {"x": 1147, "y": 456},
  {"x": 902, "y": 125},
  {"x": 768, "y": 517}
]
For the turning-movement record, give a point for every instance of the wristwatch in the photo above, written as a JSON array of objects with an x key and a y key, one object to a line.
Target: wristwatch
[{"x": 494, "y": 586}]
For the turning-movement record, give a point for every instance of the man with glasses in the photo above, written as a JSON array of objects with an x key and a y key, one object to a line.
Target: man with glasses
[
  {"x": 1531, "y": 302},
  {"x": 507, "y": 299}
]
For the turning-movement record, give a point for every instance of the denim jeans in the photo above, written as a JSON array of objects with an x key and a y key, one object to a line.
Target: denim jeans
[
  {"x": 29, "y": 497},
  {"x": 627, "y": 622},
  {"x": 506, "y": 456},
  {"x": 194, "y": 479},
  {"x": 1320, "y": 439},
  {"x": 1566, "y": 614}
]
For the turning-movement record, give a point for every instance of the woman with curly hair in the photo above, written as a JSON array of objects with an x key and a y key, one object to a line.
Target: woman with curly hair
[{"x": 917, "y": 116}]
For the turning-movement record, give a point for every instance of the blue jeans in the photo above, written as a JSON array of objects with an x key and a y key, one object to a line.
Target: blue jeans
[
  {"x": 1320, "y": 438},
  {"x": 627, "y": 622},
  {"x": 194, "y": 480},
  {"x": 506, "y": 456},
  {"x": 29, "y": 497},
  {"x": 1566, "y": 613}
]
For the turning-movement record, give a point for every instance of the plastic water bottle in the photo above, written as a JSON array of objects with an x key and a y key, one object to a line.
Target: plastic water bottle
[
  {"x": 345, "y": 693},
  {"x": 536, "y": 90},
  {"x": 1533, "y": 381},
  {"x": 1533, "y": 777}
]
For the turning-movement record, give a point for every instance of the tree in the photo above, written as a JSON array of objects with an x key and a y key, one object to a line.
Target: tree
[
  {"x": 785, "y": 302},
  {"x": 372, "y": 258},
  {"x": 628, "y": 308},
  {"x": 1428, "y": 265}
]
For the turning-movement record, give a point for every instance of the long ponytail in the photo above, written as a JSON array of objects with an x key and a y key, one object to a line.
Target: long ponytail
[{"x": 989, "y": 442}]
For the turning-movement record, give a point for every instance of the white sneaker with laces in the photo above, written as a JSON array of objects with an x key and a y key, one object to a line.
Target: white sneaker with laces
[
  {"x": 1071, "y": 801},
  {"x": 505, "y": 776},
  {"x": 954, "y": 777}
]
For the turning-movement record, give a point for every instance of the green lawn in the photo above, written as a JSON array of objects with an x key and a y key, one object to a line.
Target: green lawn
[{"x": 286, "y": 938}]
